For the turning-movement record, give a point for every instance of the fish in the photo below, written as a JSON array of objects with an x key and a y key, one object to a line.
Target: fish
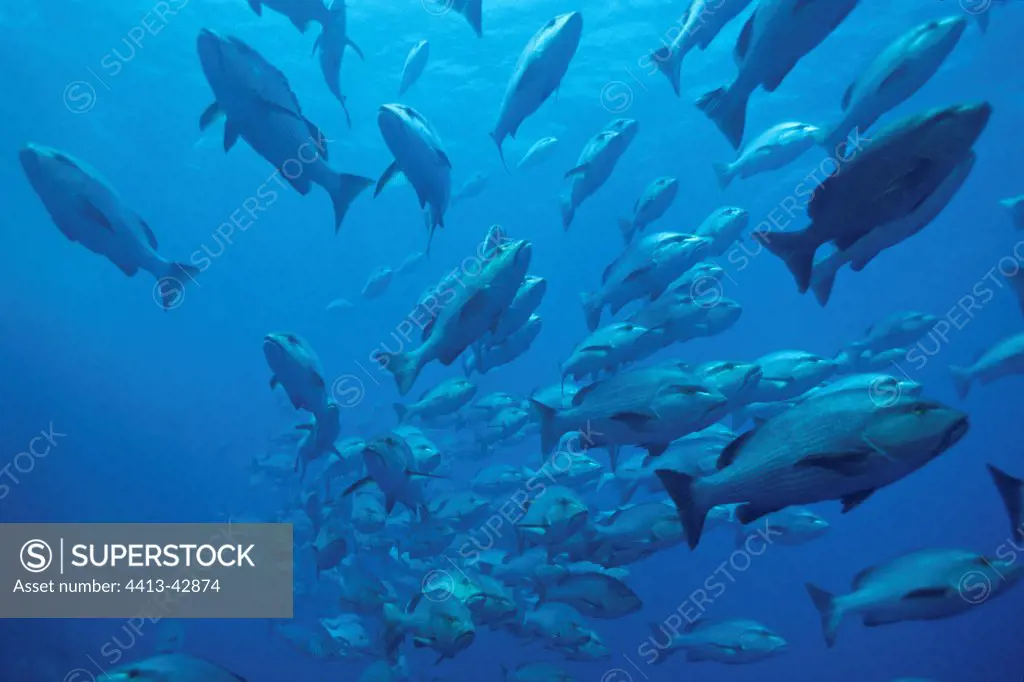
[
  {"x": 424, "y": 451},
  {"x": 339, "y": 304},
  {"x": 362, "y": 590},
  {"x": 605, "y": 350},
  {"x": 411, "y": 263},
  {"x": 775, "y": 37},
  {"x": 297, "y": 369},
  {"x": 775, "y": 148},
  {"x": 447, "y": 397},
  {"x": 737, "y": 381},
  {"x": 723, "y": 228},
  {"x": 868, "y": 247},
  {"x": 698, "y": 279},
  {"x": 330, "y": 546},
  {"x": 415, "y": 62},
  {"x": 884, "y": 183},
  {"x": 470, "y": 9},
  {"x": 463, "y": 509},
  {"x": 176, "y": 667},
  {"x": 928, "y": 584},
  {"x": 791, "y": 526},
  {"x": 593, "y": 594},
  {"x": 1004, "y": 359},
  {"x": 553, "y": 517},
  {"x": 699, "y": 25},
  {"x": 529, "y": 296},
  {"x": 260, "y": 107},
  {"x": 446, "y": 626},
  {"x": 723, "y": 641},
  {"x": 348, "y": 631},
  {"x": 420, "y": 156},
  {"x": 787, "y": 374},
  {"x": 390, "y": 465},
  {"x": 331, "y": 44},
  {"x": 645, "y": 269},
  {"x": 1015, "y": 207},
  {"x": 473, "y": 310},
  {"x": 651, "y": 205},
  {"x": 501, "y": 427},
  {"x": 899, "y": 71},
  {"x": 897, "y": 330},
  {"x": 491, "y": 355},
  {"x": 556, "y": 624},
  {"x": 377, "y": 283},
  {"x": 538, "y": 73},
  {"x": 368, "y": 514},
  {"x": 471, "y": 188},
  {"x": 539, "y": 152},
  {"x": 87, "y": 210},
  {"x": 498, "y": 479},
  {"x": 320, "y": 437},
  {"x": 300, "y": 12},
  {"x": 595, "y": 164},
  {"x": 843, "y": 446}
]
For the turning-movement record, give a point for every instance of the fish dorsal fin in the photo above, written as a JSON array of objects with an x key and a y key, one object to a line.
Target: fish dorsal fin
[
  {"x": 150, "y": 237},
  {"x": 861, "y": 578},
  {"x": 732, "y": 450},
  {"x": 209, "y": 115},
  {"x": 745, "y": 38}
]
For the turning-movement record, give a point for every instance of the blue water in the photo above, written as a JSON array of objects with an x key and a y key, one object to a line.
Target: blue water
[{"x": 164, "y": 411}]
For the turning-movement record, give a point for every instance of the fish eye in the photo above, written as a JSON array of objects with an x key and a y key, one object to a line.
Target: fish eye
[
  {"x": 918, "y": 409},
  {"x": 291, "y": 338}
]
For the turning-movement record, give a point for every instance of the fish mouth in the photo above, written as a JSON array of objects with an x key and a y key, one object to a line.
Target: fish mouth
[
  {"x": 953, "y": 434},
  {"x": 465, "y": 639}
]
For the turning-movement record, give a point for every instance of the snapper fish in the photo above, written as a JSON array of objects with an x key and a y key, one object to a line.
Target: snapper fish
[
  {"x": 773, "y": 149},
  {"x": 87, "y": 210},
  {"x": 595, "y": 165},
  {"x": 538, "y": 153},
  {"x": 175, "y": 667},
  {"x": 656, "y": 199},
  {"x": 297, "y": 369},
  {"x": 331, "y": 45},
  {"x": 414, "y": 65},
  {"x": 1004, "y": 359}
]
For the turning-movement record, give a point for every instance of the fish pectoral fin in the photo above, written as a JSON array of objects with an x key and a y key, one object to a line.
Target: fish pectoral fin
[
  {"x": 357, "y": 485},
  {"x": 846, "y": 463},
  {"x": 150, "y": 237},
  {"x": 851, "y": 502},
  {"x": 90, "y": 212},
  {"x": 748, "y": 513},
  {"x": 929, "y": 593},
  {"x": 230, "y": 136},
  {"x": 640, "y": 273},
  {"x": 273, "y": 382},
  {"x": 578, "y": 170},
  {"x": 389, "y": 174},
  {"x": 355, "y": 48},
  {"x": 733, "y": 449},
  {"x": 634, "y": 420},
  {"x": 209, "y": 115}
]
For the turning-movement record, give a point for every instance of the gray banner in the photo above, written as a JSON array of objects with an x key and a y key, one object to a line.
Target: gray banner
[{"x": 141, "y": 570}]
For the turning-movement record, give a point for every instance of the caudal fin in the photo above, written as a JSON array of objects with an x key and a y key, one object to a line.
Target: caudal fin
[
  {"x": 1011, "y": 490},
  {"x": 501, "y": 152},
  {"x": 727, "y": 107},
  {"x": 679, "y": 487},
  {"x": 591, "y": 309},
  {"x": 723, "y": 172},
  {"x": 961, "y": 380},
  {"x": 405, "y": 367},
  {"x": 474, "y": 15},
  {"x": 830, "y": 615},
  {"x": 627, "y": 229},
  {"x": 568, "y": 212},
  {"x": 170, "y": 289},
  {"x": 983, "y": 20},
  {"x": 345, "y": 189},
  {"x": 548, "y": 427},
  {"x": 822, "y": 287},
  {"x": 670, "y": 63},
  {"x": 796, "y": 249}
]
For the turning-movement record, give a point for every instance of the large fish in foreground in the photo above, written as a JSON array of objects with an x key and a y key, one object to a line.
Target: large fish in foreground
[
  {"x": 928, "y": 584},
  {"x": 88, "y": 211},
  {"x": 895, "y": 75},
  {"x": 884, "y": 183},
  {"x": 420, "y": 156},
  {"x": 843, "y": 446},
  {"x": 473, "y": 311},
  {"x": 538, "y": 73},
  {"x": 776, "y": 36},
  {"x": 171, "y": 668},
  {"x": 260, "y": 107}
]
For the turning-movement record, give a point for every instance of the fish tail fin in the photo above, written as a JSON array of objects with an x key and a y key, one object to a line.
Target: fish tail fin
[
  {"x": 402, "y": 411},
  {"x": 822, "y": 287},
  {"x": 501, "y": 152},
  {"x": 170, "y": 288},
  {"x": 723, "y": 172},
  {"x": 670, "y": 63},
  {"x": 568, "y": 213},
  {"x": 830, "y": 615},
  {"x": 961, "y": 380},
  {"x": 680, "y": 487},
  {"x": 983, "y": 21},
  {"x": 345, "y": 188},
  {"x": 796, "y": 249},
  {"x": 405, "y": 367},
  {"x": 591, "y": 309},
  {"x": 627, "y": 230},
  {"x": 548, "y": 426},
  {"x": 727, "y": 108},
  {"x": 1011, "y": 490},
  {"x": 257, "y": 7}
]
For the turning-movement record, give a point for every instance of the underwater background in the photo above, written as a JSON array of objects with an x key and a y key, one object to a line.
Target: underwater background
[{"x": 164, "y": 411}]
